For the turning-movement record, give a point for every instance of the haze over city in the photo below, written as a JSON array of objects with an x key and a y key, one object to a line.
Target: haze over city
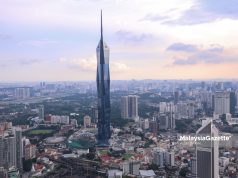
[{"x": 174, "y": 39}]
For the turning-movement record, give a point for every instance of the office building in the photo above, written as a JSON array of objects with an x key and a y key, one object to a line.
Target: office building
[
  {"x": 171, "y": 121},
  {"x": 103, "y": 91},
  {"x": 163, "y": 122},
  {"x": 169, "y": 158},
  {"x": 159, "y": 157},
  {"x": 232, "y": 102},
  {"x": 114, "y": 173},
  {"x": 29, "y": 151},
  {"x": 22, "y": 93},
  {"x": 56, "y": 119},
  {"x": 206, "y": 99},
  {"x": 207, "y": 152},
  {"x": 94, "y": 114},
  {"x": 222, "y": 103},
  {"x": 11, "y": 149},
  {"x": 131, "y": 167},
  {"x": 133, "y": 106},
  {"x": 74, "y": 122},
  {"x": 185, "y": 110},
  {"x": 87, "y": 121},
  {"x": 236, "y": 100},
  {"x": 162, "y": 107},
  {"x": 129, "y": 107},
  {"x": 7, "y": 151},
  {"x": 147, "y": 174},
  {"x": 124, "y": 107},
  {"x": 5, "y": 125},
  {"x": 153, "y": 125},
  {"x": 19, "y": 148},
  {"x": 194, "y": 166},
  {"x": 176, "y": 97},
  {"x": 41, "y": 112}
]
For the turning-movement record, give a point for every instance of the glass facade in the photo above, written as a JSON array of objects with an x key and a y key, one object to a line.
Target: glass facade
[{"x": 103, "y": 92}]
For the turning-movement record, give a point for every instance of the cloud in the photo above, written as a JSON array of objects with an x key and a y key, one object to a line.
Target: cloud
[
  {"x": 206, "y": 11},
  {"x": 189, "y": 61},
  {"x": 214, "y": 54},
  {"x": 38, "y": 43},
  {"x": 90, "y": 64},
  {"x": 154, "y": 17},
  {"x": 128, "y": 36},
  {"x": 29, "y": 61},
  {"x": 182, "y": 47},
  {"x": 216, "y": 48},
  {"x": 202, "y": 11},
  {"x": 119, "y": 67}
]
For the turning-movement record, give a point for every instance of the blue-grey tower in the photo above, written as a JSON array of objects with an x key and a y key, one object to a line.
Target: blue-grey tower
[{"x": 103, "y": 91}]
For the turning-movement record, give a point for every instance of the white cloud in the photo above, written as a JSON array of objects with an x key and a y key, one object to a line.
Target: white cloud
[
  {"x": 90, "y": 64},
  {"x": 119, "y": 67}
]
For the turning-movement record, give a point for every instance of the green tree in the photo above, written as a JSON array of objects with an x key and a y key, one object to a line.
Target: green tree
[
  {"x": 27, "y": 165},
  {"x": 183, "y": 171},
  {"x": 153, "y": 166}
]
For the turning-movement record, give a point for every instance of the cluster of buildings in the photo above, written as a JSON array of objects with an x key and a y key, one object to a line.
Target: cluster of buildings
[
  {"x": 60, "y": 119},
  {"x": 14, "y": 148},
  {"x": 22, "y": 93},
  {"x": 57, "y": 119},
  {"x": 169, "y": 155}
]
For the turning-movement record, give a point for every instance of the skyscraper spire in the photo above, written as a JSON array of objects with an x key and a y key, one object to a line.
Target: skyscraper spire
[
  {"x": 101, "y": 27},
  {"x": 102, "y": 61}
]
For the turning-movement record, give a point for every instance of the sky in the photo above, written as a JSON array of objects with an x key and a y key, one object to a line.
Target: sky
[{"x": 56, "y": 40}]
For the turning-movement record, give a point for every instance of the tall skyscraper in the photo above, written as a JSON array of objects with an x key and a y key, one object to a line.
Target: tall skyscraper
[
  {"x": 11, "y": 149},
  {"x": 133, "y": 106},
  {"x": 159, "y": 157},
  {"x": 129, "y": 107},
  {"x": 206, "y": 99},
  {"x": 19, "y": 148},
  {"x": 163, "y": 122},
  {"x": 153, "y": 125},
  {"x": 222, "y": 102},
  {"x": 236, "y": 100},
  {"x": 7, "y": 151},
  {"x": 232, "y": 102},
  {"x": 176, "y": 97},
  {"x": 124, "y": 107},
  {"x": 95, "y": 114},
  {"x": 41, "y": 112},
  {"x": 207, "y": 152},
  {"x": 131, "y": 167},
  {"x": 103, "y": 91}
]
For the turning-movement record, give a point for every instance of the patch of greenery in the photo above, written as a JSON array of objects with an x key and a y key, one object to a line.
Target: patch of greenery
[{"x": 126, "y": 156}]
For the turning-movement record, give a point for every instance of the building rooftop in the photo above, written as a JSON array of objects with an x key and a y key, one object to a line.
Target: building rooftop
[{"x": 147, "y": 173}]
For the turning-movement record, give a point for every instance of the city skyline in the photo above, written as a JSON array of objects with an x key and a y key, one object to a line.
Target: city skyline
[{"x": 173, "y": 39}]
